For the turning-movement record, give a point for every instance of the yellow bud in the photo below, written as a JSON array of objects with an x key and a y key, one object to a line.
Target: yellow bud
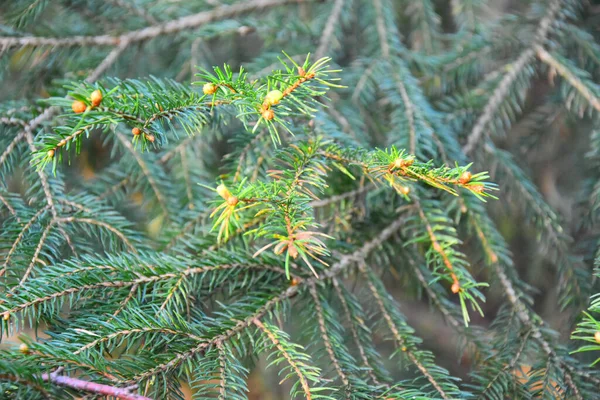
[
  {"x": 273, "y": 97},
  {"x": 23, "y": 348},
  {"x": 597, "y": 337},
  {"x": 232, "y": 201},
  {"x": 455, "y": 287},
  {"x": 223, "y": 191},
  {"x": 6, "y": 316},
  {"x": 51, "y": 153},
  {"x": 465, "y": 178},
  {"x": 209, "y": 88},
  {"x": 96, "y": 98},
  {"x": 268, "y": 114}
]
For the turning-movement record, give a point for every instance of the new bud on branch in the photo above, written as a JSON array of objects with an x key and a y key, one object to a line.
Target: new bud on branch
[
  {"x": 96, "y": 98},
  {"x": 209, "y": 88},
  {"x": 78, "y": 107},
  {"x": 273, "y": 97}
]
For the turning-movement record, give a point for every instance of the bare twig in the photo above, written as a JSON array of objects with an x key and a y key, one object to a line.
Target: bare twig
[{"x": 105, "y": 390}]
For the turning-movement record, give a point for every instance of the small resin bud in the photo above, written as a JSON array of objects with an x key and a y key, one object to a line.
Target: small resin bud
[
  {"x": 405, "y": 190},
  {"x": 223, "y": 192},
  {"x": 6, "y": 316},
  {"x": 150, "y": 138},
  {"x": 23, "y": 348},
  {"x": 273, "y": 97},
  {"x": 597, "y": 337},
  {"x": 209, "y": 88},
  {"x": 268, "y": 114},
  {"x": 96, "y": 98},
  {"x": 465, "y": 178},
  {"x": 78, "y": 107},
  {"x": 51, "y": 153},
  {"x": 294, "y": 282},
  {"x": 136, "y": 131},
  {"x": 455, "y": 287},
  {"x": 301, "y": 71},
  {"x": 62, "y": 143},
  {"x": 232, "y": 201}
]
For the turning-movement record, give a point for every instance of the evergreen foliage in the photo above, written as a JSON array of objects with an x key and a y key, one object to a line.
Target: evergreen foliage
[{"x": 169, "y": 226}]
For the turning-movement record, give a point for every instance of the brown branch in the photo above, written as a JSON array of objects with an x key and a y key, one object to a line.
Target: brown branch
[
  {"x": 105, "y": 390},
  {"x": 174, "y": 26}
]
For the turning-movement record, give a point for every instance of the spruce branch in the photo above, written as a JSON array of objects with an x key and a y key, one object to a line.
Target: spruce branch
[
  {"x": 330, "y": 24},
  {"x": 170, "y": 27},
  {"x": 513, "y": 69},
  {"x": 584, "y": 88}
]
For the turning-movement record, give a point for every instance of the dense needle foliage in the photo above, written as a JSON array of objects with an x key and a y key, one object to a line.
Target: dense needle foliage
[{"x": 182, "y": 203}]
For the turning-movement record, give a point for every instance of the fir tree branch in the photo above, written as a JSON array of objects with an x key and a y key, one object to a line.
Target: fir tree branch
[
  {"x": 382, "y": 30},
  {"x": 328, "y": 346},
  {"x": 514, "y": 69},
  {"x": 291, "y": 362},
  {"x": 20, "y": 238},
  {"x": 127, "y": 332},
  {"x": 523, "y": 315},
  {"x": 46, "y": 188},
  {"x": 170, "y": 27},
  {"x": 352, "y": 327},
  {"x": 569, "y": 76},
  {"x": 222, "y": 380},
  {"x": 146, "y": 171},
  {"x": 326, "y": 35},
  {"x": 397, "y": 336},
  {"x": 37, "y": 251},
  {"x": 23, "y": 381},
  {"x": 102, "y": 224}
]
